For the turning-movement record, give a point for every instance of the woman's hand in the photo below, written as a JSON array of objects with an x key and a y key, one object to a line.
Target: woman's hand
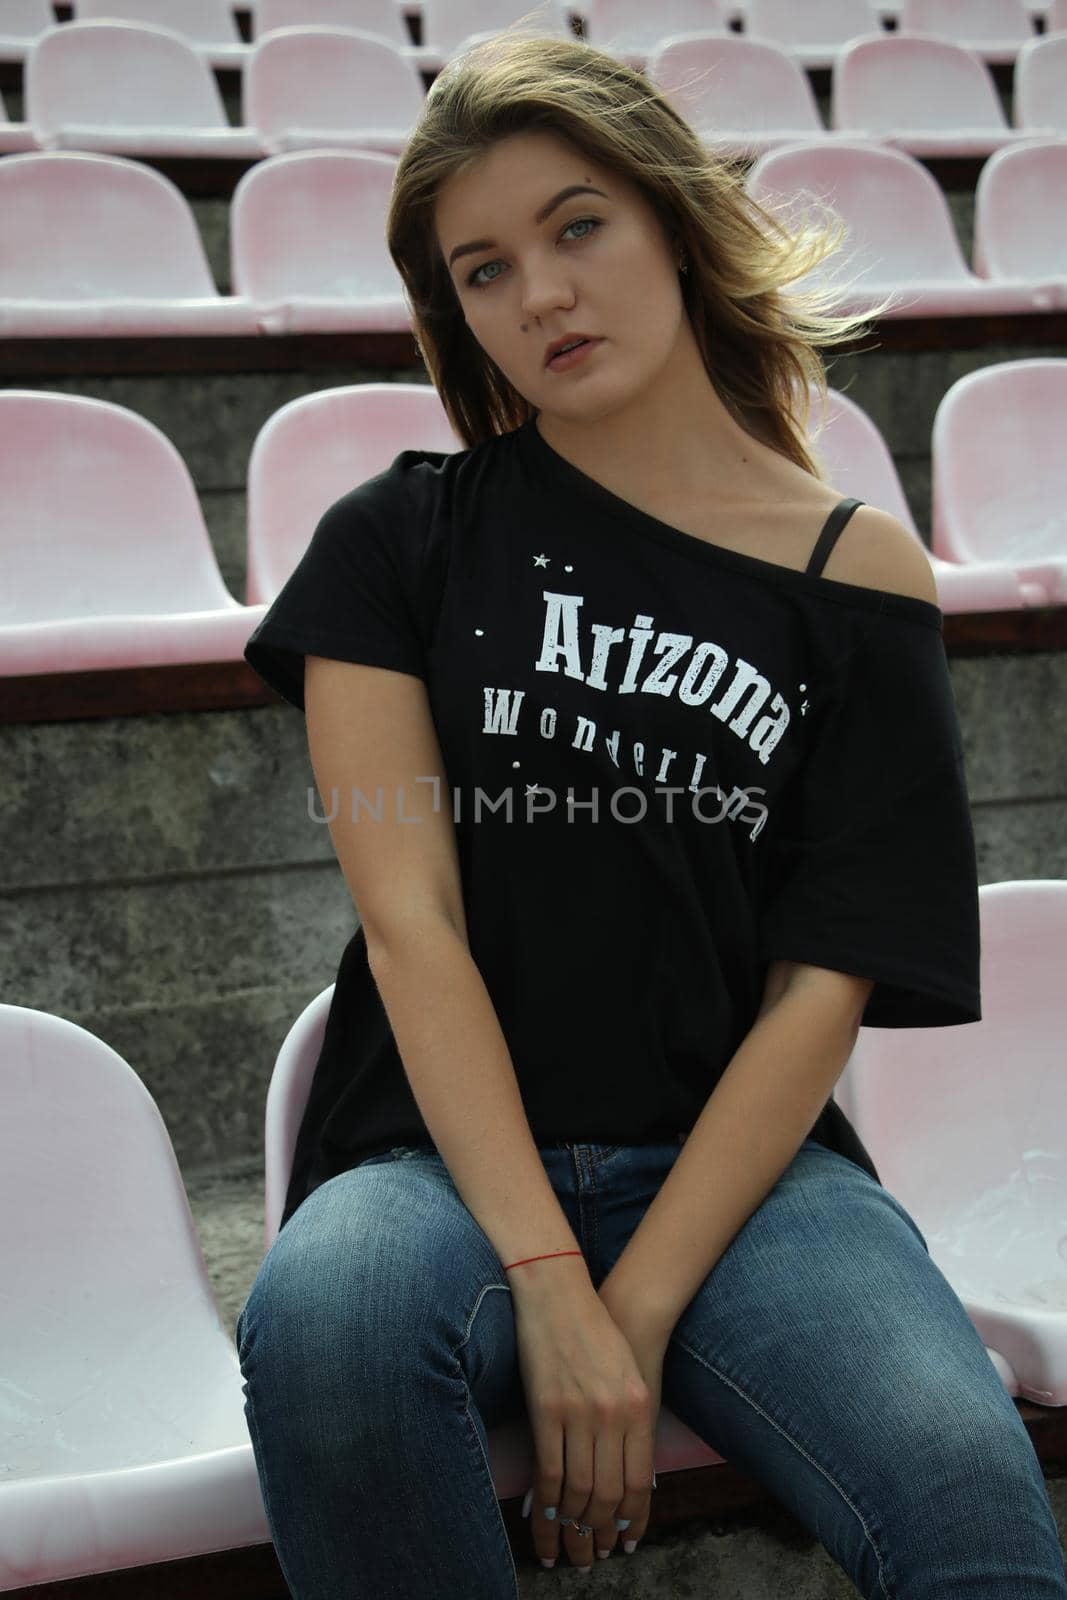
[{"x": 592, "y": 1414}]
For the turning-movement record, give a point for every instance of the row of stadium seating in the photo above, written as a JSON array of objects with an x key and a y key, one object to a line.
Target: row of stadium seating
[
  {"x": 148, "y": 1345},
  {"x": 141, "y": 585},
  {"x": 133, "y": 89},
  {"x": 813, "y": 31},
  {"x": 101, "y": 246}
]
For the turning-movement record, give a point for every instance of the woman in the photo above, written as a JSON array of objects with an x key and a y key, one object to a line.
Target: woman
[{"x": 674, "y": 722}]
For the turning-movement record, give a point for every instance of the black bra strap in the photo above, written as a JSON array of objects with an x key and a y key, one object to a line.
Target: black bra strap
[{"x": 829, "y": 535}]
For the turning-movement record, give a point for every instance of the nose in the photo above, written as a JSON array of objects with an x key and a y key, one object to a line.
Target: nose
[{"x": 545, "y": 290}]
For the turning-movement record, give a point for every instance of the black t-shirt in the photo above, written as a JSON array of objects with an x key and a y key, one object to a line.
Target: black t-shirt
[{"x": 774, "y": 758}]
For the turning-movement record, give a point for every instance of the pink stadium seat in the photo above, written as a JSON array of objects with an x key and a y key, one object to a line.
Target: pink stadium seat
[
  {"x": 813, "y": 32},
  {"x": 1020, "y": 217},
  {"x": 208, "y": 25},
  {"x": 128, "y": 88},
  {"x": 968, "y": 1128},
  {"x": 14, "y": 136},
  {"x": 1000, "y": 470},
  {"x": 316, "y": 448},
  {"x": 1040, "y": 99},
  {"x": 872, "y": 187},
  {"x": 743, "y": 96},
  {"x": 511, "y": 1453},
  {"x": 106, "y": 559},
  {"x": 307, "y": 88},
  {"x": 100, "y": 247},
  {"x": 382, "y": 17},
  {"x": 447, "y": 23},
  {"x": 927, "y": 96},
  {"x": 633, "y": 30},
  {"x": 125, "y": 1441},
  {"x": 20, "y": 23},
  {"x": 858, "y": 462},
  {"x": 1056, "y": 17},
  {"x": 994, "y": 29},
  {"x": 307, "y": 243}
]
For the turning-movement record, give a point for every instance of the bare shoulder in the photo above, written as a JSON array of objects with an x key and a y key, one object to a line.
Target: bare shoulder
[{"x": 876, "y": 551}]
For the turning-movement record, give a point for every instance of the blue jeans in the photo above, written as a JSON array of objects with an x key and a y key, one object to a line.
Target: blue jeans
[{"x": 825, "y": 1354}]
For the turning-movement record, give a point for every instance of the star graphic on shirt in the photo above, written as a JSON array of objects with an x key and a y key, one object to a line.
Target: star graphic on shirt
[{"x": 540, "y": 561}]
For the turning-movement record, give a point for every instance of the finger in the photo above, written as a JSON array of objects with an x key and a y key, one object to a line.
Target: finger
[
  {"x": 636, "y": 1504},
  {"x": 547, "y": 1487}
]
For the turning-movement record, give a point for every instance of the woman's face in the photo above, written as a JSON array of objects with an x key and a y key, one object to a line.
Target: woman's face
[{"x": 600, "y": 264}]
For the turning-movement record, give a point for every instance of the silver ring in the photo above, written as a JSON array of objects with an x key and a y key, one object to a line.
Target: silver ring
[{"x": 579, "y": 1527}]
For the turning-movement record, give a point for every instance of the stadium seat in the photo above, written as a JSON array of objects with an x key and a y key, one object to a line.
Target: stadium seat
[
  {"x": 1040, "y": 98},
  {"x": 208, "y": 25},
  {"x": 106, "y": 557},
  {"x": 814, "y": 32},
  {"x": 993, "y": 29},
  {"x": 858, "y": 462},
  {"x": 929, "y": 97},
  {"x": 1000, "y": 470},
  {"x": 307, "y": 243},
  {"x": 1020, "y": 217},
  {"x": 968, "y": 1129},
  {"x": 632, "y": 31},
  {"x": 14, "y": 136},
  {"x": 872, "y": 187},
  {"x": 446, "y": 24},
  {"x": 511, "y": 1453},
  {"x": 125, "y": 1440},
  {"x": 316, "y": 448},
  {"x": 21, "y": 21},
  {"x": 101, "y": 247},
  {"x": 1056, "y": 17},
  {"x": 128, "y": 88},
  {"x": 309, "y": 88},
  {"x": 743, "y": 96},
  {"x": 383, "y": 18}
]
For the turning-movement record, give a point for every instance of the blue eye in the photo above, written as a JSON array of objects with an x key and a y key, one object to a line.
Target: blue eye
[{"x": 594, "y": 223}]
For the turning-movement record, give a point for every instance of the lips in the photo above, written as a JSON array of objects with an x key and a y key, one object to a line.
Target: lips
[{"x": 572, "y": 344}]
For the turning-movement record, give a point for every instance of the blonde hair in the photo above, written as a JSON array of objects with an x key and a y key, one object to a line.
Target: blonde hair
[{"x": 759, "y": 344}]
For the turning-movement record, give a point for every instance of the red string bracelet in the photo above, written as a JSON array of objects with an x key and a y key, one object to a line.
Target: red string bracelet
[{"x": 543, "y": 1258}]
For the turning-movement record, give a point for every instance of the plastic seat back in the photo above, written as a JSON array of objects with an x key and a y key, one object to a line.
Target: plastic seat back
[
  {"x": 382, "y": 17},
  {"x": 120, "y": 74},
  {"x": 735, "y": 83},
  {"x": 633, "y": 25},
  {"x": 1040, "y": 79},
  {"x": 1020, "y": 213},
  {"x": 26, "y": 19},
  {"x": 871, "y": 188},
  {"x": 908, "y": 81},
  {"x": 99, "y": 515},
  {"x": 313, "y": 223},
  {"x": 447, "y": 23},
  {"x": 999, "y": 464},
  {"x": 331, "y": 79},
  {"x": 977, "y": 22},
  {"x": 856, "y": 457},
  {"x": 114, "y": 1352},
  {"x": 815, "y": 22},
  {"x": 316, "y": 448},
  {"x": 287, "y": 1097},
  {"x": 968, "y": 1129},
  {"x": 202, "y": 22}
]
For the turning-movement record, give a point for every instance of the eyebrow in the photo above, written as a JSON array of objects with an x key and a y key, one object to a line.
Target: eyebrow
[{"x": 545, "y": 211}]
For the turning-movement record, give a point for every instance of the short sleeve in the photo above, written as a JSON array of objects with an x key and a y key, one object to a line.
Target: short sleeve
[
  {"x": 872, "y": 867},
  {"x": 352, "y": 595}
]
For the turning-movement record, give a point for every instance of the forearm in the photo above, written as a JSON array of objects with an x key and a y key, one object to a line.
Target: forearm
[
  {"x": 757, "y": 1117},
  {"x": 461, "y": 1075}
]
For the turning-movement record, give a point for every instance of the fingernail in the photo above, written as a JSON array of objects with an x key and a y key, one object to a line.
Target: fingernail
[
  {"x": 653, "y": 1480},
  {"x": 622, "y": 1522},
  {"x": 550, "y": 1513},
  {"x": 527, "y": 1503},
  {"x": 630, "y": 1546},
  {"x": 603, "y": 1554},
  {"x": 545, "y": 1562}
]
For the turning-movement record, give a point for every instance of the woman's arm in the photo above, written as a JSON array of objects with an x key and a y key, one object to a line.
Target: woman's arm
[{"x": 371, "y": 733}]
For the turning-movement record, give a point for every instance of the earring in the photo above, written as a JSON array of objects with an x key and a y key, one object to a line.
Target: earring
[{"x": 683, "y": 265}]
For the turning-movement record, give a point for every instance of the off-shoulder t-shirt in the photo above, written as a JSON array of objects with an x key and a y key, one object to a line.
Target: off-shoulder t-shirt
[{"x": 668, "y": 763}]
